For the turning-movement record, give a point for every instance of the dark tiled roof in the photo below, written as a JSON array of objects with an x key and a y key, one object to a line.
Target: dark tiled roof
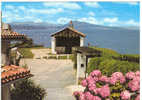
[
  {"x": 12, "y": 73},
  {"x": 7, "y": 33},
  {"x": 71, "y": 29}
]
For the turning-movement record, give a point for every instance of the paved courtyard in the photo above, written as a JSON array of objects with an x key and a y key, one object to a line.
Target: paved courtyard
[{"x": 53, "y": 75}]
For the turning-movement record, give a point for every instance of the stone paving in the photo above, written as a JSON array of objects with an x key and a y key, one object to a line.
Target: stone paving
[{"x": 53, "y": 75}]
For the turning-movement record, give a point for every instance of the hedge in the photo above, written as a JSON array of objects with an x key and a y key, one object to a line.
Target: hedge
[{"x": 109, "y": 65}]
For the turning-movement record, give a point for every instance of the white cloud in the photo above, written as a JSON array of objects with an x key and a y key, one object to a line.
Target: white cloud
[
  {"x": 47, "y": 11},
  {"x": 63, "y": 20},
  {"x": 91, "y": 13},
  {"x": 133, "y": 3},
  {"x": 132, "y": 23},
  {"x": 68, "y": 5},
  {"x": 91, "y": 20},
  {"x": 38, "y": 21},
  {"x": 111, "y": 20},
  {"x": 92, "y": 4}
]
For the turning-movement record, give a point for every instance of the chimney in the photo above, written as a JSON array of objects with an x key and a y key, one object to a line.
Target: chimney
[{"x": 71, "y": 24}]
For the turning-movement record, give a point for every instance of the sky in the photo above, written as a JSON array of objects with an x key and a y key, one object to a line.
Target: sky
[{"x": 100, "y": 13}]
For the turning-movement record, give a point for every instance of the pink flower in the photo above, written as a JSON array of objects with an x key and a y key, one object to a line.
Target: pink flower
[
  {"x": 82, "y": 96},
  {"x": 84, "y": 83},
  {"x": 137, "y": 73},
  {"x": 125, "y": 95},
  {"x": 138, "y": 97},
  {"x": 104, "y": 79},
  {"x": 96, "y": 73},
  {"x": 134, "y": 85},
  {"x": 96, "y": 79},
  {"x": 76, "y": 93},
  {"x": 105, "y": 91},
  {"x": 91, "y": 80},
  {"x": 88, "y": 96},
  {"x": 130, "y": 75},
  {"x": 117, "y": 75},
  {"x": 122, "y": 80},
  {"x": 113, "y": 80},
  {"x": 97, "y": 90},
  {"x": 96, "y": 98},
  {"x": 91, "y": 87}
]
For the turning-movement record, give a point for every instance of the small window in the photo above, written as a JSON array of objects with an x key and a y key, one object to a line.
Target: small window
[{"x": 82, "y": 65}]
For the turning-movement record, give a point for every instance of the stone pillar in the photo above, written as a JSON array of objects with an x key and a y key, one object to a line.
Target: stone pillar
[
  {"x": 81, "y": 41},
  {"x": 78, "y": 67},
  {"x": 6, "y": 92},
  {"x": 53, "y": 45},
  {"x": 81, "y": 66},
  {"x": 5, "y": 52}
]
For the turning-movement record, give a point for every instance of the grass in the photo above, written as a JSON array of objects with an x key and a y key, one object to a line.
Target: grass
[
  {"x": 111, "y": 61},
  {"x": 26, "y": 52}
]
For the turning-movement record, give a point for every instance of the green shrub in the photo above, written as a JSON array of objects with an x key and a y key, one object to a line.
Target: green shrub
[
  {"x": 109, "y": 65},
  {"x": 130, "y": 57},
  {"x": 62, "y": 57},
  {"x": 45, "y": 57},
  {"x": 27, "y": 90},
  {"x": 52, "y": 57},
  {"x": 107, "y": 52},
  {"x": 26, "y": 52}
]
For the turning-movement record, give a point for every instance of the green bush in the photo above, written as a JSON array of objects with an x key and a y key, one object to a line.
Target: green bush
[
  {"x": 52, "y": 57},
  {"x": 130, "y": 57},
  {"x": 26, "y": 52},
  {"x": 107, "y": 52},
  {"x": 109, "y": 65},
  {"x": 27, "y": 90},
  {"x": 62, "y": 57}
]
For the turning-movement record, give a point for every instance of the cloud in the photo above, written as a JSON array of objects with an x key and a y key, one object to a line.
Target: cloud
[
  {"x": 91, "y": 13},
  {"x": 67, "y": 5},
  {"x": 133, "y": 3},
  {"x": 91, "y": 20},
  {"x": 111, "y": 20},
  {"x": 63, "y": 20},
  {"x": 92, "y": 4},
  {"x": 132, "y": 23},
  {"x": 38, "y": 21},
  {"x": 47, "y": 11}
]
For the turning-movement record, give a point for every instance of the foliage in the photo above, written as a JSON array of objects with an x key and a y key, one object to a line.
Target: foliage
[
  {"x": 26, "y": 52},
  {"x": 111, "y": 61},
  {"x": 115, "y": 55},
  {"x": 107, "y": 52},
  {"x": 115, "y": 87},
  {"x": 52, "y": 57},
  {"x": 27, "y": 90},
  {"x": 129, "y": 57},
  {"x": 62, "y": 57},
  {"x": 109, "y": 65}
]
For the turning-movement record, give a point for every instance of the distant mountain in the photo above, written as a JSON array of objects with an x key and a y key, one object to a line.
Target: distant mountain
[{"x": 121, "y": 39}]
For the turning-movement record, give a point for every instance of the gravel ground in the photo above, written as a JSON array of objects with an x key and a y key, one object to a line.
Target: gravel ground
[{"x": 56, "y": 76}]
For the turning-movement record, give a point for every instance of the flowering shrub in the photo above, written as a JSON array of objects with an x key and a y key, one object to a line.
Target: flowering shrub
[{"x": 115, "y": 87}]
